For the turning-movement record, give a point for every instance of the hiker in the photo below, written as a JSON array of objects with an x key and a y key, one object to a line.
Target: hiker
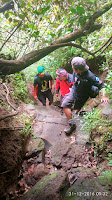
[
  {"x": 43, "y": 86},
  {"x": 64, "y": 82},
  {"x": 86, "y": 84}
]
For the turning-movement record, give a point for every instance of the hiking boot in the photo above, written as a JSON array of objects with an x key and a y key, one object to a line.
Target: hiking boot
[
  {"x": 82, "y": 113},
  {"x": 71, "y": 127}
]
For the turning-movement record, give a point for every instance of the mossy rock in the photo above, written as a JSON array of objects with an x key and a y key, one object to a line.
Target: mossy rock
[
  {"x": 49, "y": 187},
  {"x": 96, "y": 188},
  {"x": 34, "y": 147}
]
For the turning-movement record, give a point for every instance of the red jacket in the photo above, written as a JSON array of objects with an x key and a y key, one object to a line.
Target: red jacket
[{"x": 64, "y": 86}]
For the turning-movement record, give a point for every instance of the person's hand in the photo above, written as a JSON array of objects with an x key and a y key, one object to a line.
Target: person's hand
[
  {"x": 105, "y": 100},
  {"x": 35, "y": 97},
  {"x": 57, "y": 95}
]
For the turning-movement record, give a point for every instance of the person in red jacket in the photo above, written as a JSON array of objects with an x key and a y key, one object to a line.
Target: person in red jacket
[{"x": 64, "y": 82}]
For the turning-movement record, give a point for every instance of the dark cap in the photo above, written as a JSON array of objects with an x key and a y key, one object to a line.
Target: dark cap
[{"x": 79, "y": 63}]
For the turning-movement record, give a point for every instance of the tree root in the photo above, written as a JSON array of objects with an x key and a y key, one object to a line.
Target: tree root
[
  {"x": 11, "y": 114},
  {"x": 8, "y": 115}
]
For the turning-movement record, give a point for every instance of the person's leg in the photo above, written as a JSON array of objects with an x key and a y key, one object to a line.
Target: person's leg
[
  {"x": 66, "y": 104},
  {"x": 49, "y": 95},
  {"x": 79, "y": 104},
  {"x": 42, "y": 98},
  {"x": 61, "y": 99},
  {"x": 68, "y": 113},
  {"x": 76, "y": 111},
  {"x": 71, "y": 124}
]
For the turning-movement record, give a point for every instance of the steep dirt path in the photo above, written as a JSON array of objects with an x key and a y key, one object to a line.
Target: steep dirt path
[
  {"x": 51, "y": 153},
  {"x": 67, "y": 155},
  {"x": 50, "y": 124}
]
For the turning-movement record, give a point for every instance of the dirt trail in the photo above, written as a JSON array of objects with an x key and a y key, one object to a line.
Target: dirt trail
[
  {"x": 69, "y": 154},
  {"x": 50, "y": 126}
]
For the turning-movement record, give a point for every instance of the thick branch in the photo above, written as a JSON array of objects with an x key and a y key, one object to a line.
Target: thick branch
[
  {"x": 7, "y": 6},
  {"x": 87, "y": 28},
  {"x": 13, "y": 66}
]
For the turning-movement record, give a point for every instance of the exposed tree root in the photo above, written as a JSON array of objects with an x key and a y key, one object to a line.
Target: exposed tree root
[{"x": 11, "y": 114}]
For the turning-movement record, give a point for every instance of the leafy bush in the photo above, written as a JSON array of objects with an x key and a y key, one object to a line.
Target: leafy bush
[
  {"x": 109, "y": 84},
  {"x": 100, "y": 130},
  {"x": 18, "y": 85}
]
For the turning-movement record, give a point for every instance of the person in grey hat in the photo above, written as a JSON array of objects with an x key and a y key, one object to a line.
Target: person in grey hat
[{"x": 85, "y": 85}]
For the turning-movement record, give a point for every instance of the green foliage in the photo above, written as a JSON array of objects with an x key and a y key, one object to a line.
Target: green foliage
[
  {"x": 92, "y": 120},
  {"x": 109, "y": 84},
  {"x": 100, "y": 129},
  {"x": 19, "y": 91},
  {"x": 106, "y": 174},
  {"x": 26, "y": 131},
  {"x": 109, "y": 158},
  {"x": 30, "y": 72},
  {"x": 46, "y": 22},
  {"x": 61, "y": 58}
]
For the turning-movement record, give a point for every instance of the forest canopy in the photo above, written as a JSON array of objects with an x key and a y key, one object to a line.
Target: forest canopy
[{"x": 31, "y": 30}]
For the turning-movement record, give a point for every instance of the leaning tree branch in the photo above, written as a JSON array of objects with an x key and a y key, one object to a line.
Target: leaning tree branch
[
  {"x": 21, "y": 9},
  {"x": 11, "y": 35},
  {"x": 7, "y": 6},
  {"x": 13, "y": 66},
  {"x": 104, "y": 48},
  {"x": 110, "y": 39}
]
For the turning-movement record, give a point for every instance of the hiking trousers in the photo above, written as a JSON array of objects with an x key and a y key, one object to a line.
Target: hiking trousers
[{"x": 46, "y": 94}]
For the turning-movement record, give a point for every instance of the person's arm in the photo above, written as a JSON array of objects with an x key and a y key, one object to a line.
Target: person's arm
[
  {"x": 50, "y": 84},
  {"x": 70, "y": 80},
  {"x": 35, "y": 92},
  {"x": 97, "y": 82},
  {"x": 57, "y": 87},
  {"x": 35, "y": 87},
  {"x": 104, "y": 98}
]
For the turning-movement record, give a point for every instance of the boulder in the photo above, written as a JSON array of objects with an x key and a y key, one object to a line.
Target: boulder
[
  {"x": 65, "y": 154},
  {"x": 34, "y": 147},
  {"x": 51, "y": 187},
  {"x": 96, "y": 188},
  {"x": 39, "y": 171},
  {"x": 106, "y": 110}
]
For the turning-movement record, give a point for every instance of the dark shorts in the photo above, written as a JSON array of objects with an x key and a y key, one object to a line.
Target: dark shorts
[
  {"x": 68, "y": 101},
  {"x": 43, "y": 95}
]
